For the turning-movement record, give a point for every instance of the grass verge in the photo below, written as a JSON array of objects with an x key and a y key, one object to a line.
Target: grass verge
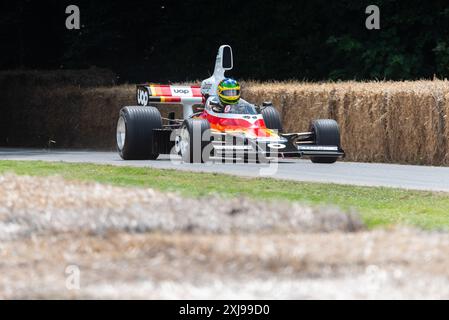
[{"x": 378, "y": 206}]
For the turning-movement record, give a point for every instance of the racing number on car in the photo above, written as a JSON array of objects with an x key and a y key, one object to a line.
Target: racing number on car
[{"x": 142, "y": 97}]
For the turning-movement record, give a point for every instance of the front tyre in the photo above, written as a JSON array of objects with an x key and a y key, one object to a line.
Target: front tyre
[
  {"x": 135, "y": 132},
  {"x": 193, "y": 140},
  {"x": 326, "y": 133}
]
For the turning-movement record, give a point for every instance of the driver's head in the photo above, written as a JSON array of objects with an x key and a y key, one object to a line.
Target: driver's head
[{"x": 229, "y": 91}]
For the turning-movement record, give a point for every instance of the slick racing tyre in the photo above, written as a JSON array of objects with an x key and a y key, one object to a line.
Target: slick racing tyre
[
  {"x": 272, "y": 119},
  {"x": 326, "y": 133},
  {"x": 135, "y": 132},
  {"x": 193, "y": 140}
]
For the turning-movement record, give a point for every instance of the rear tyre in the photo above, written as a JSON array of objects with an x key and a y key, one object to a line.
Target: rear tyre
[
  {"x": 272, "y": 119},
  {"x": 194, "y": 138},
  {"x": 135, "y": 132},
  {"x": 326, "y": 133}
]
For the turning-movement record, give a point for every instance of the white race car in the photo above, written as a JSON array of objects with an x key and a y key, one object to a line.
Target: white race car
[{"x": 247, "y": 132}]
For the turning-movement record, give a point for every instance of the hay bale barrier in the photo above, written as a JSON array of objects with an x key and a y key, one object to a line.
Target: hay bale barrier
[{"x": 394, "y": 122}]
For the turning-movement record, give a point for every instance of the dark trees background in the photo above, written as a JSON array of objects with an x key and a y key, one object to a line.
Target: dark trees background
[{"x": 165, "y": 40}]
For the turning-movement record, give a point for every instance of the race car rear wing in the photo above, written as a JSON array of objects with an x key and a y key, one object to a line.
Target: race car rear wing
[{"x": 187, "y": 96}]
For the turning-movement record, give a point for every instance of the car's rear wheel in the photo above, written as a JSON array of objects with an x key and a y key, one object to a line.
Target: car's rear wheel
[
  {"x": 272, "y": 118},
  {"x": 193, "y": 139},
  {"x": 135, "y": 132},
  {"x": 326, "y": 133}
]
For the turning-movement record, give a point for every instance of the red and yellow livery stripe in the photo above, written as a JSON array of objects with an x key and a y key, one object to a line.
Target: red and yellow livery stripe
[
  {"x": 256, "y": 129},
  {"x": 173, "y": 94}
]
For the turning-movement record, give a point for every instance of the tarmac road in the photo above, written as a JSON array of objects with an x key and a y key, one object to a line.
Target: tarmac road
[{"x": 363, "y": 174}]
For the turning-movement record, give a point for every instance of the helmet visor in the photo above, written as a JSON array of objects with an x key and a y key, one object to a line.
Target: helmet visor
[{"x": 230, "y": 92}]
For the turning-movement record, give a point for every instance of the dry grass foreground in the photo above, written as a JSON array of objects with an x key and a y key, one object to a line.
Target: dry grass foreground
[
  {"x": 140, "y": 243},
  {"x": 400, "y": 122}
]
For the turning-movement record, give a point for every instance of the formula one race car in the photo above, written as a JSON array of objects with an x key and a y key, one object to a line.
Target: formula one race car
[{"x": 242, "y": 131}]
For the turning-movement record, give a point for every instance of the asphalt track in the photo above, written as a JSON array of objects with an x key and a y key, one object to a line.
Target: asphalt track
[{"x": 361, "y": 174}]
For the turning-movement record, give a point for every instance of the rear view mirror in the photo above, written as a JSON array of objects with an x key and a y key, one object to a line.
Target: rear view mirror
[{"x": 227, "y": 62}]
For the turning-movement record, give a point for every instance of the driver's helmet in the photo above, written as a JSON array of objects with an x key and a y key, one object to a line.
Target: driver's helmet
[{"x": 229, "y": 91}]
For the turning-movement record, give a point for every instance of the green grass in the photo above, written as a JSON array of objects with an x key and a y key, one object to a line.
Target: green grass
[{"x": 378, "y": 206}]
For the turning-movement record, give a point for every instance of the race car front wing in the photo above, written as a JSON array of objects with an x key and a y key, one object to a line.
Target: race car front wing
[{"x": 286, "y": 146}]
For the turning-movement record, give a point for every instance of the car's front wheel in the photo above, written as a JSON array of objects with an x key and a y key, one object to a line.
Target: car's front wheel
[{"x": 326, "y": 133}]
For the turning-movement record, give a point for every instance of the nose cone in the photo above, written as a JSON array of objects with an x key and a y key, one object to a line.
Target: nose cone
[{"x": 250, "y": 126}]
